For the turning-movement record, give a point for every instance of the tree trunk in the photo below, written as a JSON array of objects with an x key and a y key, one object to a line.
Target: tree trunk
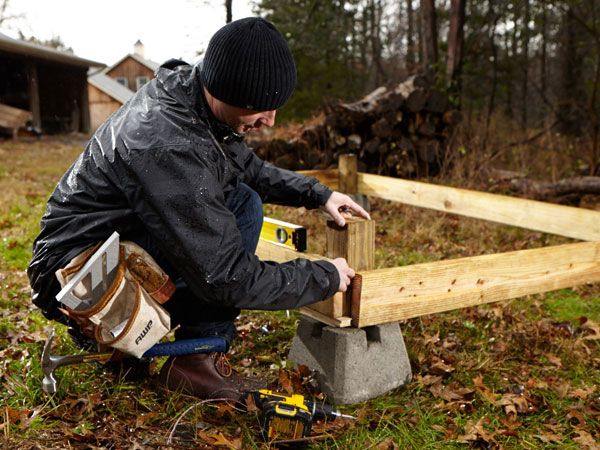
[
  {"x": 571, "y": 64},
  {"x": 410, "y": 41},
  {"x": 455, "y": 43},
  {"x": 492, "y": 100},
  {"x": 544, "y": 58},
  {"x": 429, "y": 34},
  {"x": 525, "y": 65},
  {"x": 376, "y": 11},
  {"x": 228, "y": 11}
]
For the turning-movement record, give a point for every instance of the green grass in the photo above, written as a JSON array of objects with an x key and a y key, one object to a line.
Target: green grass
[{"x": 568, "y": 305}]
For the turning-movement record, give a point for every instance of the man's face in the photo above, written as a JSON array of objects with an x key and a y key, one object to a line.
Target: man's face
[{"x": 241, "y": 120}]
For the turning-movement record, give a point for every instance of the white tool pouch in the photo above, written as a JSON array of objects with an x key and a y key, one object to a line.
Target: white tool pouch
[{"x": 128, "y": 316}]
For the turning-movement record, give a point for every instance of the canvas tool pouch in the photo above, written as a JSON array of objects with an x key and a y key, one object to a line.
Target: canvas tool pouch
[{"x": 128, "y": 316}]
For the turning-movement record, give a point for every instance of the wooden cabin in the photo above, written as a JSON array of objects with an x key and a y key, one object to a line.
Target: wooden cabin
[
  {"x": 48, "y": 83},
  {"x": 133, "y": 70},
  {"x": 109, "y": 88}
]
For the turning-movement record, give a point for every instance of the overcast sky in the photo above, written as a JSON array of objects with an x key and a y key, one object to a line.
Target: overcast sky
[{"x": 106, "y": 30}]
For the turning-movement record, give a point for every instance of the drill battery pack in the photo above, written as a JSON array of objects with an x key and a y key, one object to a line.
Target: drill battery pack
[{"x": 286, "y": 418}]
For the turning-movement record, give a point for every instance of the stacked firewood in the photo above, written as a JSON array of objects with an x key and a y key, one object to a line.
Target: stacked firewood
[{"x": 399, "y": 131}]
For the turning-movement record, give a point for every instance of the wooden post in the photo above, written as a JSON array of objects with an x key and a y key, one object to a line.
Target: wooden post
[
  {"x": 84, "y": 106},
  {"x": 34, "y": 95},
  {"x": 348, "y": 167},
  {"x": 356, "y": 243}
]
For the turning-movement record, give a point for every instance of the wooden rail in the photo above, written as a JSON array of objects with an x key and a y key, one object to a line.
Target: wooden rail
[
  {"x": 577, "y": 223},
  {"x": 393, "y": 294},
  {"x": 399, "y": 293}
]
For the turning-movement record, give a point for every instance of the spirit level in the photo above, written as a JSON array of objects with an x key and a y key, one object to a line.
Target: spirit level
[{"x": 284, "y": 233}]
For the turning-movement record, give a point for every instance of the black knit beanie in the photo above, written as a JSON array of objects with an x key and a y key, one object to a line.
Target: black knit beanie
[{"x": 249, "y": 64}]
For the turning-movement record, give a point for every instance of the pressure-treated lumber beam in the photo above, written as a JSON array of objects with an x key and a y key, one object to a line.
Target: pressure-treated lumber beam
[
  {"x": 356, "y": 243},
  {"x": 322, "y": 311},
  {"x": 399, "y": 293},
  {"x": 348, "y": 173},
  {"x": 566, "y": 221}
]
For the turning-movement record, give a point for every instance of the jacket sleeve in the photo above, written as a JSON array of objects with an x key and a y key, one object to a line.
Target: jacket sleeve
[
  {"x": 180, "y": 201},
  {"x": 281, "y": 186}
]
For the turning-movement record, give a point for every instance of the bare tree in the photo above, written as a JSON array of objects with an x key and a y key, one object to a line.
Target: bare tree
[
  {"x": 429, "y": 26},
  {"x": 410, "y": 39},
  {"x": 228, "y": 11},
  {"x": 4, "y": 16},
  {"x": 525, "y": 64},
  {"x": 455, "y": 42},
  {"x": 376, "y": 11}
]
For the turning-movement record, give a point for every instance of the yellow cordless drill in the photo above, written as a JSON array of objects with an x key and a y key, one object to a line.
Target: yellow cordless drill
[{"x": 290, "y": 417}]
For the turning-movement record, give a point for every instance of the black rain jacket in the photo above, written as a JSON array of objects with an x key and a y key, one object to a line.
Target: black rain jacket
[{"x": 163, "y": 163}]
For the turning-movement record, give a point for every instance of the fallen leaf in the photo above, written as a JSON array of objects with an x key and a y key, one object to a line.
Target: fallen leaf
[
  {"x": 499, "y": 347},
  {"x": 576, "y": 418},
  {"x": 533, "y": 383},
  {"x": 141, "y": 419},
  {"x": 441, "y": 368},
  {"x": 485, "y": 392},
  {"x": 582, "y": 393},
  {"x": 476, "y": 433},
  {"x": 511, "y": 426},
  {"x": 431, "y": 340},
  {"x": 548, "y": 438},
  {"x": 225, "y": 409},
  {"x": 20, "y": 417},
  {"x": 285, "y": 382},
  {"x": 427, "y": 380},
  {"x": 219, "y": 440},
  {"x": 451, "y": 392},
  {"x": 304, "y": 371},
  {"x": 515, "y": 404},
  {"x": 560, "y": 386},
  {"x": 251, "y": 404},
  {"x": 553, "y": 359},
  {"x": 592, "y": 327},
  {"x": 387, "y": 444},
  {"x": 586, "y": 440}
]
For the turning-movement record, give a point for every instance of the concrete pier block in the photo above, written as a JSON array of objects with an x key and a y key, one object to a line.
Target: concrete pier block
[{"x": 352, "y": 364}]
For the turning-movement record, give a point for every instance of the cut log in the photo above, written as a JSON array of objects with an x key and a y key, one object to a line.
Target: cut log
[
  {"x": 14, "y": 118},
  {"x": 574, "y": 185}
]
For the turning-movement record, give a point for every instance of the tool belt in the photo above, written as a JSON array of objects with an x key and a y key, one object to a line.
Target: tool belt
[{"x": 128, "y": 316}]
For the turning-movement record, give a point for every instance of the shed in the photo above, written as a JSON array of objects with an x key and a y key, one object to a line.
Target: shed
[
  {"x": 112, "y": 86},
  {"x": 50, "y": 83},
  {"x": 106, "y": 96}
]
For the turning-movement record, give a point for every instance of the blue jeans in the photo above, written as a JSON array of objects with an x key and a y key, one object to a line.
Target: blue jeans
[{"x": 195, "y": 316}]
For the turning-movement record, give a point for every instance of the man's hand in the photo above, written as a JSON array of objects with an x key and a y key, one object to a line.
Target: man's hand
[
  {"x": 340, "y": 206},
  {"x": 345, "y": 272}
]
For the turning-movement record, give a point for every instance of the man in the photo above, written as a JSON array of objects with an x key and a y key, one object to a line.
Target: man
[{"x": 170, "y": 171}]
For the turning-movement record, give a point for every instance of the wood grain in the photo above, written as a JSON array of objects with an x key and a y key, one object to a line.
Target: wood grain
[
  {"x": 399, "y": 293},
  {"x": 566, "y": 221}
]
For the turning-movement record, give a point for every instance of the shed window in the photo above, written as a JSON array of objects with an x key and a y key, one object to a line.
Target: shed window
[
  {"x": 140, "y": 81},
  {"x": 123, "y": 81}
]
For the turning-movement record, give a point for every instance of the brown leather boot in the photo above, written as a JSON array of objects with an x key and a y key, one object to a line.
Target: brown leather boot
[{"x": 206, "y": 375}]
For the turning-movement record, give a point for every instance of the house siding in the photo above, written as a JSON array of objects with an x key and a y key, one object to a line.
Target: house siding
[
  {"x": 101, "y": 106},
  {"x": 130, "y": 69}
]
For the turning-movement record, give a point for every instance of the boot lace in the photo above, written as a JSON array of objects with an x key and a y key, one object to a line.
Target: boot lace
[{"x": 222, "y": 364}]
